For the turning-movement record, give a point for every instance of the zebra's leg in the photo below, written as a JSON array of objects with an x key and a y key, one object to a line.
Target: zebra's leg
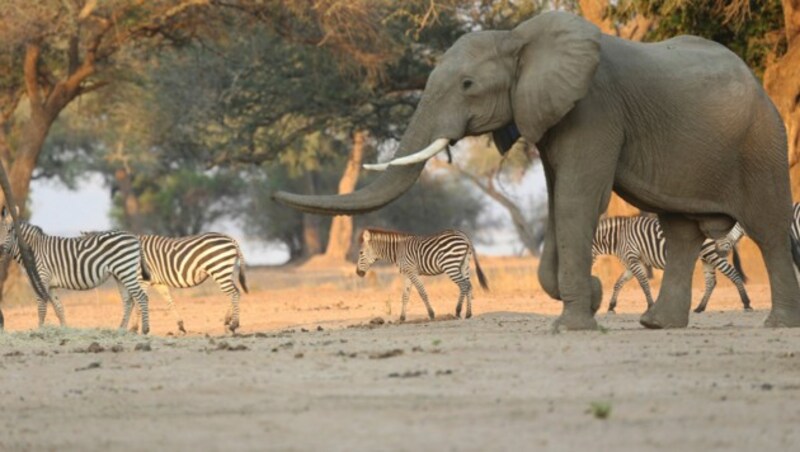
[
  {"x": 127, "y": 308},
  {"x": 743, "y": 294},
  {"x": 683, "y": 241},
  {"x": 460, "y": 277},
  {"x": 142, "y": 301},
  {"x": 41, "y": 305},
  {"x": 710, "y": 278},
  {"x": 421, "y": 290},
  {"x": 165, "y": 293},
  {"x": 469, "y": 301},
  {"x": 406, "y": 294},
  {"x": 639, "y": 270},
  {"x": 621, "y": 281},
  {"x": 131, "y": 286},
  {"x": 733, "y": 274},
  {"x": 59, "y": 308},
  {"x": 228, "y": 287}
]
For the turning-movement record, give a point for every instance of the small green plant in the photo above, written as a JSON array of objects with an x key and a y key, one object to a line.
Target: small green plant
[
  {"x": 602, "y": 329},
  {"x": 600, "y": 409},
  {"x": 436, "y": 342}
]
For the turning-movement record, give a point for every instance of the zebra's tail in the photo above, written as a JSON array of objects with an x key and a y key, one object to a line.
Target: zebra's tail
[
  {"x": 242, "y": 279},
  {"x": 481, "y": 276},
  {"x": 145, "y": 268},
  {"x": 737, "y": 264}
]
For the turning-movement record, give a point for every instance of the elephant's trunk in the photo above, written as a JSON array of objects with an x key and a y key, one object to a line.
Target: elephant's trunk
[{"x": 385, "y": 189}]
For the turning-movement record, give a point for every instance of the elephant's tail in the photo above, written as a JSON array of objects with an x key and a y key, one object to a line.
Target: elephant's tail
[
  {"x": 796, "y": 251},
  {"x": 481, "y": 276},
  {"x": 737, "y": 263}
]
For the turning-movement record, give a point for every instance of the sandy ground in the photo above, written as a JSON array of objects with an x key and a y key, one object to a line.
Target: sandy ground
[{"x": 309, "y": 371}]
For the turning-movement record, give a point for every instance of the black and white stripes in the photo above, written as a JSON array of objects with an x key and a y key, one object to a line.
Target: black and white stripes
[
  {"x": 639, "y": 243},
  {"x": 446, "y": 252},
  {"x": 81, "y": 263},
  {"x": 188, "y": 261}
]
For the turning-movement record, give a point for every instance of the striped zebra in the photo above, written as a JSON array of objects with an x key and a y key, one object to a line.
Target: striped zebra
[
  {"x": 82, "y": 263},
  {"x": 639, "y": 243},
  {"x": 183, "y": 262},
  {"x": 445, "y": 252}
]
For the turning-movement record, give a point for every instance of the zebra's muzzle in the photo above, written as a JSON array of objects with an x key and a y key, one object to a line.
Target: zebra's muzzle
[{"x": 360, "y": 272}]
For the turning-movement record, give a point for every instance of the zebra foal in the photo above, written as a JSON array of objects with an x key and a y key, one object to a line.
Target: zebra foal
[
  {"x": 81, "y": 263},
  {"x": 182, "y": 262},
  {"x": 639, "y": 243},
  {"x": 445, "y": 252}
]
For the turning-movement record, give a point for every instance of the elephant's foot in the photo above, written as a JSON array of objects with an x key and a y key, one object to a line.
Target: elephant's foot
[
  {"x": 597, "y": 294},
  {"x": 575, "y": 316},
  {"x": 662, "y": 315},
  {"x": 783, "y": 317}
]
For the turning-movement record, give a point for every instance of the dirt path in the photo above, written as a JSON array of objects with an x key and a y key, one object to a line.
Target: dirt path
[
  {"x": 501, "y": 381},
  {"x": 498, "y": 382}
]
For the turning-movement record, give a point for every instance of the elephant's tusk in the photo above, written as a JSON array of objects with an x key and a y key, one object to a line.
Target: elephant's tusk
[
  {"x": 376, "y": 166},
  {"x": 434, "y": 148}
]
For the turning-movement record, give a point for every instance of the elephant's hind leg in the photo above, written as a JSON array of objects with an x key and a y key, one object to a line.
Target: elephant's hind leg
[
  {"x": 775, "y": 245},
  {"x": 683, "y": 242}
]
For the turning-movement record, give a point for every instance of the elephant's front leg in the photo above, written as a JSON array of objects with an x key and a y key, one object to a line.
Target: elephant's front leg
[
  {"x": 581, "y": 293},
  {"x": 683, "y": 242}
]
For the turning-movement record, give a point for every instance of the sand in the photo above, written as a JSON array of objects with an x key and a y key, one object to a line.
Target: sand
[{"x": 310, "y": 371}]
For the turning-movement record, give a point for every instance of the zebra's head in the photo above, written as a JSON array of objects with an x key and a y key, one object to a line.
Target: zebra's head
[
  {"x": 366, "y": 254},
  {"x": 7, "y": 237}
]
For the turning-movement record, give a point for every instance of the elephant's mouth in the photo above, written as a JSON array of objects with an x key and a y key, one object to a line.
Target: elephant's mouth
[{"x": 505, "y": 137}]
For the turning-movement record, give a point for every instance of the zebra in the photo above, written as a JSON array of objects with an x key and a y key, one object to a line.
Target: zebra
[
  {"x": 639, "y": 243},
  {"x": 182, "y": 262},
  {"x": 81, "y": 263},
  {"x": 445, "y": 252}
]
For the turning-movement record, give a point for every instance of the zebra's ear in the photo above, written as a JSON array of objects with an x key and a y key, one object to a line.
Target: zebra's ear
[
  {"x": 365, "y": 235},
  {"x": 4, "y": 212}
]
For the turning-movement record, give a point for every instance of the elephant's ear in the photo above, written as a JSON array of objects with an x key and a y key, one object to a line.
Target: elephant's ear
[{"x": 558, "y": 54}]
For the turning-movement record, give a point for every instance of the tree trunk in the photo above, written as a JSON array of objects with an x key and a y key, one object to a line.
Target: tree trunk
[
  {"x": 341, "y": 234},
  {"x": 28, "y": 259},
  {"x": 782, "y": 83},
  {"x": 312, "y": 241},
  {"x": 130, "y": 203}
]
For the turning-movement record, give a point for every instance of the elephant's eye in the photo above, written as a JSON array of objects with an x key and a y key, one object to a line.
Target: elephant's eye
[{"x": 466, "y": 84}]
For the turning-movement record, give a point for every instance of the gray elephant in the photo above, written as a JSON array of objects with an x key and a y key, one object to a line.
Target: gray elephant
[{"x": 681, "y": 128}]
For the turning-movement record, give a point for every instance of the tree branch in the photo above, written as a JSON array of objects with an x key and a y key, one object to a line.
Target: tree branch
[{"x": 30, "y": 68}]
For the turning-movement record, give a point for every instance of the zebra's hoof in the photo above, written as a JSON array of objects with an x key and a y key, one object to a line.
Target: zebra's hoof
[
  {"x": 468, "y": 316},
  {"x": 748, "y": 309},
  {"x": 700, "y": 310},
  {"x": 402, "y": 318},
  {"x": 145, "y": 330},
  {"x": 233, "y": 325},
  {"x": 180, "y": 327}
]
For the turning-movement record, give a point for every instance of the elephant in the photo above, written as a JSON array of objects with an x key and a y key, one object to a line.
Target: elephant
[{"x": 680, "y": 128}]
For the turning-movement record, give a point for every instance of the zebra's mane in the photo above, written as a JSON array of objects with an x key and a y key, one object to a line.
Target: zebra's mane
[{"x": 383, "y": 232}]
